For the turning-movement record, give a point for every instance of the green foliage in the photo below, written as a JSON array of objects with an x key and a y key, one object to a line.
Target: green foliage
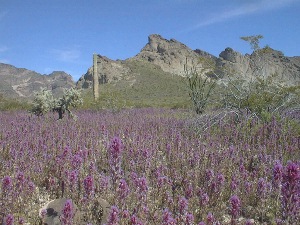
[
  {"x": 147, "y": 86},
  {"x": 200, "y": 84},
  {"x": 263, "y": 98},
  {"x": 45, "y": 102},
  {"x": 12, "y": 104},
  {"x": 253, "y": 41}
]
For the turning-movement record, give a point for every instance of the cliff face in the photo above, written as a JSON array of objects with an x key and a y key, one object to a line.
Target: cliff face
[
  {"x": 16, "y": 82},
  {"x": 108, "y": 71},
  {"x": 261, "y": 63},
  {"x": 171, "y": 56}
]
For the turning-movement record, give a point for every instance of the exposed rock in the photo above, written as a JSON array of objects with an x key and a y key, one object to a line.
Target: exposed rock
[
  {"x": 170, "y": 55},
  {"x": 53, "y": 211},
  {"x": 261, "y": 63},
  {"x": 96, "y": 213},
  {"x": 108, "y": 71},
  {"x": 16, "y": 82}
]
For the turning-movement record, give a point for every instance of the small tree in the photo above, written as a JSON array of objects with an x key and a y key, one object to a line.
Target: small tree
[
  {"x": 253, "y": 41},
  {"x": 261, "y": 96},
  {"x": 44, "y": 102},
  {"x": 71, "y": 98}
]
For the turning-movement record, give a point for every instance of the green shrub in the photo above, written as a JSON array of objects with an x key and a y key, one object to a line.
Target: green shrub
[{"x": 45, "y": 102}]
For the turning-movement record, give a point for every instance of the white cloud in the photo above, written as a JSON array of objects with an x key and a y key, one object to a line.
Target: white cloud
[
  {"x": 245, "y": 9},
  {"x": 66, "y": 55}
]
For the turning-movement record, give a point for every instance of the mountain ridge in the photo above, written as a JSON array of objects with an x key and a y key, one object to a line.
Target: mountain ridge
[
  {"x": 168, "y": 56},
  {"x": 23, "y": 83},
  {"x": 173, "y": 56}
]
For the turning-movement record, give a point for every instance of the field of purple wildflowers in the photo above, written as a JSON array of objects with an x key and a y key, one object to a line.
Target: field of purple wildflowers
[{"x": 153, "y": 166}]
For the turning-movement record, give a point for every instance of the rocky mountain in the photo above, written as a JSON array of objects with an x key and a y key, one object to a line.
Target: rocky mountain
[
  {"x": 165, "y": 57},
  {"x": 261, "y": 63},
  {"x": 172, "y": 56},
  {"x": 17, "y": 82}
]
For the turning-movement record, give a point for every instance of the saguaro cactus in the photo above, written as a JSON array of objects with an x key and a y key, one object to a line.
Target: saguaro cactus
[{"x": 95, "y": 77}]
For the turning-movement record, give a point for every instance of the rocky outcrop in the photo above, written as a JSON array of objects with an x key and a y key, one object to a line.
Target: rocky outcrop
[
  {"x": 16, "y": 82},
  {"x": 261, "y": 63},
  {"x": 108, "y": 71},
  {"x": 172, "y": 56},
  {"x": 52, "y": 212}
]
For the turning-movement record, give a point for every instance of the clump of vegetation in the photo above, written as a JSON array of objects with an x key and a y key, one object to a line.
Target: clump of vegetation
[
  {"x": 7, "y": 104},
  {"x": 45, "y": 102},
  {"x": 151, "y": 167},
  {"x": 200, "y": 84},
  {"x": 261, "y": 97}
]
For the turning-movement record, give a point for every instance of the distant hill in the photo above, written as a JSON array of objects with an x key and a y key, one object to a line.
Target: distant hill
[
  {"x": 22, "y": 83},
  {"x": 154, "y": 74},
  {"x": 171, "y": 56}
]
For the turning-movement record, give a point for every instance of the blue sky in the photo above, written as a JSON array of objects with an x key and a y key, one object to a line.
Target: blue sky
[{"x": 62, "y": 35}]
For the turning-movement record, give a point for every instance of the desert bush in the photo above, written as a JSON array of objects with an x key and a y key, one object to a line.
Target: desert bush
[
  {"x": 260, "y": 97},
  {"x": 8, "y": 104},
  {"x": 45, "y": 102},
  {"x": 200, "y": 84}
]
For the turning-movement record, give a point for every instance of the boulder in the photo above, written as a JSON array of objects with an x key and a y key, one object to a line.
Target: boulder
[{"x": 95, "y": 213}]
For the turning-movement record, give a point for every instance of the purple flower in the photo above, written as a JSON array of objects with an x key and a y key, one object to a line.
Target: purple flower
[
  {"x": 234, "y": 183},
  {"x": 113, "y": 218},
  {"x": 277, "y": 172},
  {"x": 116, "y": 147},
  {"x": 73, "y": 177},
  {"x": 126, "y": 214},
  {"x": 292, "y": 173},
  {"x": 249, "y": 222},
  {"x": 67, "y": 213},
  {"x": 290, "y": 191},
  {"x": 161, "y": 181},
  {"x": 204, "y": 199},
  {"x": 76, "y": 161},
  {"x": 43, "y": 213},
  {"x": 247, "y": 186},
  {"x": 30, "y": 187},
  {"x": 88, "y": 183},
  {"x": 142, "y": 185},
  {"x": 210, "y": 218},
  {"x": 189, "y": 219},
  {"x": 209, "y": 175},
  {"x": 201, "y": 223},
  {"x": 7, "y": 184},
  {"x": 167, "y": 218},
  {"x": 261, "y": 187},
  {"x": 135, "y": 221},
  {"x": 115, "y": 156},
  {"x": 20, "y": 178},
  {"x": 21, "y": 221},
  {"x": 220, "y": 180},
  {"x": 9, "y": 220},
  {"x": 235, "y": 205},
  {"x": 123, "y": 189},
  {"x": 182, "y": 205},
  {"x": 189, "y": 191}
]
